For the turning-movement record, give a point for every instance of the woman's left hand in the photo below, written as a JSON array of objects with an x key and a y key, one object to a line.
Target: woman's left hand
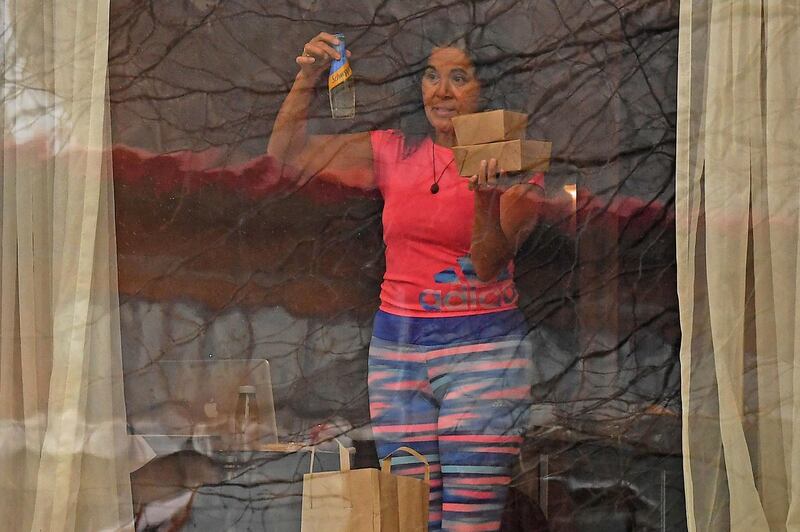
[
  {"x": 487, "y": 176},
  {"x": 491, "y": 177}
]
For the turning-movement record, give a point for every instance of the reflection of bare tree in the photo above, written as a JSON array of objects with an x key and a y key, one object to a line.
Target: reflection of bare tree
[
  {"x": 598, "y": 79},
  {"x": 30, "y": 104}
]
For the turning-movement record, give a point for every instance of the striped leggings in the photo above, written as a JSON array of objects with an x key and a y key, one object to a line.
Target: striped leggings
[{"x": 458, "y": 391}]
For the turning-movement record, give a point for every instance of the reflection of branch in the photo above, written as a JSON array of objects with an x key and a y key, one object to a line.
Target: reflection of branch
[{"x": 173, "y": 43}]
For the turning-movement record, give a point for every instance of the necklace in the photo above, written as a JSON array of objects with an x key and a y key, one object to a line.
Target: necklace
[{"x": 435, "y": 185}]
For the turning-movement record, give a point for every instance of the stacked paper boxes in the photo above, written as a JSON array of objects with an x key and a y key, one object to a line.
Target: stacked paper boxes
[{"x": 500, "y": 135}]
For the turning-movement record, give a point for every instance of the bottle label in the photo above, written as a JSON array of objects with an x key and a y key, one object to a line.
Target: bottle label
[{"x": 340, "y": 75}]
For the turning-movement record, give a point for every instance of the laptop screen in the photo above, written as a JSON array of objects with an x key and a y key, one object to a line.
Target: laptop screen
[{"x": 192, "y": 397}]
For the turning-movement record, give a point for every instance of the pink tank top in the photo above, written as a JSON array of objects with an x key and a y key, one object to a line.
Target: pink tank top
[{"x": 428, "y": 269}]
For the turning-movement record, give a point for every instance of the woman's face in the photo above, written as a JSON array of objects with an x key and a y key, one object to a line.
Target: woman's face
[{"x": 449, "y": 88}]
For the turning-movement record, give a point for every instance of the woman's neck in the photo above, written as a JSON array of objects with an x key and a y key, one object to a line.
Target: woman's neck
[
  {"x": 446, "y": 142},
  {"x": 445, "y": 139}
]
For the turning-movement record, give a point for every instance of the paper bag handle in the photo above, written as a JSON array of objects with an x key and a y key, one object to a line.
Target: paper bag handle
[
  {"x": 386, "y": 462},
  {"x": 344, "y": 466},
  {"x": 344, "y": 457}
]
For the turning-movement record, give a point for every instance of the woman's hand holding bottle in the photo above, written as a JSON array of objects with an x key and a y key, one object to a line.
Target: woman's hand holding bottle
[{"x": 317, "y": 55}]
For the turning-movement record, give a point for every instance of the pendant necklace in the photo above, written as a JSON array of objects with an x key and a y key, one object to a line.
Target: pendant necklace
[{"x": 435, "y": 185}]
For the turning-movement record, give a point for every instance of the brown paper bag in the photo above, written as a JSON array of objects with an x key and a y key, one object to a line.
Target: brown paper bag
[
  {"x": 364, "y": 500},
  {"x": 412, "y": 494}
]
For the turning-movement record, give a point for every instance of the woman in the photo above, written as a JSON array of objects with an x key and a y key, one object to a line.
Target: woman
[{"x": 448, "y": 367}]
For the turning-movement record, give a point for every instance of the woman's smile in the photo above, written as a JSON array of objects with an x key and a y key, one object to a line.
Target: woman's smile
[{"x": 444, "y": 112}]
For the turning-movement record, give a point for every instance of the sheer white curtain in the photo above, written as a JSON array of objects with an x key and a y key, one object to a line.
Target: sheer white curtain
[
  {"x": 63, "y": 443},
  {"x": 738, "y": 195}
]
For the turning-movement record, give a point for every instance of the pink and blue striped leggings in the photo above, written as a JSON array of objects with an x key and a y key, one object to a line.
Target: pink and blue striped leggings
[{"x": 458, "y": 391}]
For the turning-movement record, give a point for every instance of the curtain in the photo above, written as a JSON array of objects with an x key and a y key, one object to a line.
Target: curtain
[
  {"x": 737, "y": 199},
  {"x": 63, "y": 443}
]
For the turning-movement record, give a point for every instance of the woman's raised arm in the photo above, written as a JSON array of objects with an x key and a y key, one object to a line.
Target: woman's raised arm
[{"x": 346, "y": 158}]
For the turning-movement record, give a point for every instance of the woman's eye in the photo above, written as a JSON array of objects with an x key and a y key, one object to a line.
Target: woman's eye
[
  {"x": 460, "y": 79},
  {"x": 430, "y": 75}
]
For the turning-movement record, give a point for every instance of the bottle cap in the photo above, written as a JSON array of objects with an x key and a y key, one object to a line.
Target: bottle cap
[{"x": 247, "y": 388}]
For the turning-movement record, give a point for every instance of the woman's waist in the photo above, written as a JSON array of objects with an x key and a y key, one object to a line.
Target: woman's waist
[{"x": 443, "y": 329}]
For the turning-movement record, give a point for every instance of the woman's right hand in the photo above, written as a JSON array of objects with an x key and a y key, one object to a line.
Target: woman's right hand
[{"x": 317, "y": 54}]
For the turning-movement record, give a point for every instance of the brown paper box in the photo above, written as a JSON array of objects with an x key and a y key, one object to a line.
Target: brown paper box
[
  {"x": 489, "y": 126},
  {"x": 512, "y": 156}
]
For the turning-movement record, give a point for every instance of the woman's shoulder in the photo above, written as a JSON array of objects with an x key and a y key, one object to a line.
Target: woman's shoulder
[
  {"x": 388, "y": 143},
  {"x": 390, "y": 136},
  {"x": 395, "y": 144}
]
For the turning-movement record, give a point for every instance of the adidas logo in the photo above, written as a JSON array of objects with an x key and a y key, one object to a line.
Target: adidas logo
[{"x": 464, "y": 291}]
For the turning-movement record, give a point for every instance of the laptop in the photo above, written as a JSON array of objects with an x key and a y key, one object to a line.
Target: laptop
[{"x": 191, "y": 403}]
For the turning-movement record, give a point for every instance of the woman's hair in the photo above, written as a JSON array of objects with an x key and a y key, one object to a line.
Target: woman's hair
[{"x": 441, "y": 34}]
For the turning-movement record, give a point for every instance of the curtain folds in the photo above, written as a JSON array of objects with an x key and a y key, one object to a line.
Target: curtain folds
[
  {"x": 63, "y": 439},
  {"x": 737, "y": 232}
]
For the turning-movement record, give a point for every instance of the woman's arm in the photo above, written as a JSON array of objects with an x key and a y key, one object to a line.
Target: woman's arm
[
  {"x": 345, "y": 159},
  {"x": 503, "y": 220}
]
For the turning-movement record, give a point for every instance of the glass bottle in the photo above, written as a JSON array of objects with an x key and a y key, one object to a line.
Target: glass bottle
[
  {"x": 341, "y": 87},
  {"x": 246, "y": 419}
]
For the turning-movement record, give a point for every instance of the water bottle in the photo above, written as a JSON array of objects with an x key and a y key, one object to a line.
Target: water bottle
[
  {"x": 246, "y": 419},
  {"x": 341, "y": 88}
]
